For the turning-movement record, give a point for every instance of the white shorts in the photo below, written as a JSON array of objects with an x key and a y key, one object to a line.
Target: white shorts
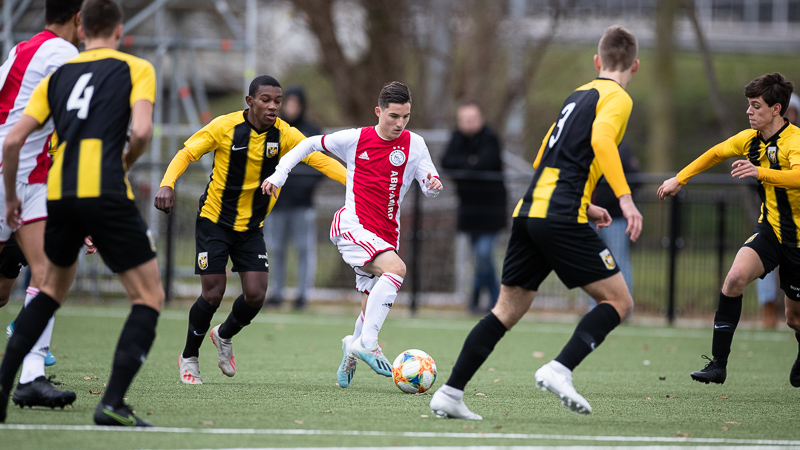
[
  {"x": 34, "y": 205},
  {"x": 357, "y": 246}
]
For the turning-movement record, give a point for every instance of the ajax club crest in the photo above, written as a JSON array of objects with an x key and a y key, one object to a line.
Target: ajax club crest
[{"x": 397, "y": 157}]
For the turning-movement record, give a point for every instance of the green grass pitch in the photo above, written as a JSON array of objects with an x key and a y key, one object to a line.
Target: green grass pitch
[{"x": 285, "y": 393}]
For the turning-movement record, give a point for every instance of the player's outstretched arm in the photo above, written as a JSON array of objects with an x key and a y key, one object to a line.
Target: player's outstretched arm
[
  {"x": 598, "y": 215},
  {"x": 288, "y": 160},
  {"x": 632, "y": 215}
]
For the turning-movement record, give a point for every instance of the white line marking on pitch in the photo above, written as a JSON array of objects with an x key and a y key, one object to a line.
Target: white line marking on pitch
[{"x": 420, "y": 434}]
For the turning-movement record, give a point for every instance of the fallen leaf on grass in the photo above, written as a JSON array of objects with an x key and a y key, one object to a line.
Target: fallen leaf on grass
[
  {"x": 480, "y": 394},
  {"x": 208, "y": 422},
  {"x": 681, "y": 434},
  {"x": 662, "y": 378},
  {"x": 648, "y": 398},
  {"x": 299, "y": 422},
  {"x": 734, "y": 423},
  {"x": 90, "y": 377},
  {"x": 424, "y": 416},
  {"x": 328, "y": 411},
  {"x": 491, "y": 369},
  {"x": 645, "y": 347},
  {"x": 497, "y": 427},
  {"x": 724, "y": 428},
  {"x": 538, "y": 355},
  {"x": 469, "y": 427},
  {"x": 669, "y": 396},
  {"x": 723, "y": 397},
  {"x": 496, "y": 380},
  {"x": 95, "y": 392}
]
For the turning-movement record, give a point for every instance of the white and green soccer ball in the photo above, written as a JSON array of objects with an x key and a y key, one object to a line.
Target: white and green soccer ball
[{"x": 414, "y": 371}]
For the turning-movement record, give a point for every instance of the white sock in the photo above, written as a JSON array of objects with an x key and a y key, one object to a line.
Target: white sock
[
  {"x": 33, "y": 363},
  {"x": 379, "y": 303},
  {"x": 358, "y": 327},
  {"x": 450, "y": 391}
]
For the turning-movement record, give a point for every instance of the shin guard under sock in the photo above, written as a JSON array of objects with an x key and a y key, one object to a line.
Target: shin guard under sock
[
  {"x": 477, "y": 347},
  {"x": 28, "y": 326},
  {"x": 589, "y": 334},
  {"x": 726, "y": 319},
  {"x": 200, "y": 316},
  {"x": 241, "y": 315},
  {"x": 134, "y": 343}
]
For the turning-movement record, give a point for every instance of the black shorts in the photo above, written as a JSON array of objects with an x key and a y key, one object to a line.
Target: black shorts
[
  {"x": 11, "y": 259},
  {"x": 773, "y": 254},
  {"x": 573, "y": 250},
  {"x": 214, "y": 243},
  {"x": 117, "y": 229}
]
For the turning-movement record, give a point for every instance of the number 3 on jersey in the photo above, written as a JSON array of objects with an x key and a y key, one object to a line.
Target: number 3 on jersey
[
  {"x": 80, "y": 96},
  {"x": 560, "y": 124}
]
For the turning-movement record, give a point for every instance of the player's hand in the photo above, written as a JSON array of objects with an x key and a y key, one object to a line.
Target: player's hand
[
  {"x": 743, "y": 168},
  {"x": 165, "y": 199},
  {"x": 669, "y": 188},
  {"x": 598, "y": 215},
  {"x": 434, "y": 183},
  {"x": 14, "y": 213},
  {"x": 632, "y": 215},
  {"x": 90, "y": 247},
  {"x": 269, "y": 189}
]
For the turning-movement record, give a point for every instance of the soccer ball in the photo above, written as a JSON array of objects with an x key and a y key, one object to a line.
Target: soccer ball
[{"x": 414, "y": 371}]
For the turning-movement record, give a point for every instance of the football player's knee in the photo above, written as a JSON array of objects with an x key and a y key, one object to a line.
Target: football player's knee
[
  {"x": 255, "y": 298},
  {"x": 734, "y": 283},
  {"x": 793, "y": 319}
]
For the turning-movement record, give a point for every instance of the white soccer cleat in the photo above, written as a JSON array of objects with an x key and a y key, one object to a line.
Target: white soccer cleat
[
  {"x": 190, "y": 370},
  {"x": 227, "y": 362},
  {"x": 346, "y": 371},
  {"x": 444, "y": 406},
  {"x": 549, "y": 379},
  {"x": 373, "y": 357}
]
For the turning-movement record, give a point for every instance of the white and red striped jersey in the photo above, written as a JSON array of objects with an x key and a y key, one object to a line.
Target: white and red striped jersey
[
  {"x": 27, "y": 64},
  {"x": 379, "y": 173}
]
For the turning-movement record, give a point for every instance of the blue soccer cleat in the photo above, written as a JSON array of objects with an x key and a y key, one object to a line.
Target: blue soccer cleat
[
  {"x": 373, "y": 357},
  {"x": 344, "y": 375}
]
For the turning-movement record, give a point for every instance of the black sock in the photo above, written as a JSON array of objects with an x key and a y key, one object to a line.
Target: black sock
[
  {"x": 477, "y": 347},
  {"x": 134, "y": 344},
  {"x": 200, "y": 316},
  {"x": 589, "y": 334},
  {"x": 726, "y": 319},
  {"x": 241, "y": 315},
  {"x": 28, "y": 326}
]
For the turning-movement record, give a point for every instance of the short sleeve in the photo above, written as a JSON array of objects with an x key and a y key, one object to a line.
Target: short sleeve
[
  {"x": 39, "y": 106},
  {"x": 143, "y": 80}
]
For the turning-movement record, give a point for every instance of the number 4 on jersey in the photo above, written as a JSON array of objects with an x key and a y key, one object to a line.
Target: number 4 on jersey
[{"x": 80, "y": 96}]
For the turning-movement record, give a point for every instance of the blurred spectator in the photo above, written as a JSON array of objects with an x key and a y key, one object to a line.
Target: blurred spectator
[
  {"x": 473, "y": 160},
  {"x": 767, "y": 287},
  {"x": 293, "y": 218},
  {"x": 614, "y": 235}
]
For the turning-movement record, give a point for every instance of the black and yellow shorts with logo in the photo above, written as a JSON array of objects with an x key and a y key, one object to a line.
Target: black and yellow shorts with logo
[
  {"x": 573, "y": 250},
  {"x": 214, "y": 243},
  {"x": 773, "y": 254}
]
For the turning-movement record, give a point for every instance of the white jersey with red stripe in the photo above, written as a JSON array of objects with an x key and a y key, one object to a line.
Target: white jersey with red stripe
[
  {"x": 28, "y": 63},
  {"x": 379, "y": 173}
]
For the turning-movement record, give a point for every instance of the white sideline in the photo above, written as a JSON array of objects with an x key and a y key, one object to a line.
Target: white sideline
[{"x": 419, "y": 434}]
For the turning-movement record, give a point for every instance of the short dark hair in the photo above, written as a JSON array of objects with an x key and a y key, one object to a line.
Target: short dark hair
[
  {"x": 394, "y": 92},
  {"x": 617, "y": 48},
  {"x": 773, "y": 88},
  {"x": 262, "y": 80},
  {"x": 60, "y": 11},
  {"x": 99, "y": 18}
]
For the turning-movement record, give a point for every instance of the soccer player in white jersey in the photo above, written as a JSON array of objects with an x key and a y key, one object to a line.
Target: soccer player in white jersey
[
  {"x": 27, "y": 64},
  {"x": 382, "y": 163}
]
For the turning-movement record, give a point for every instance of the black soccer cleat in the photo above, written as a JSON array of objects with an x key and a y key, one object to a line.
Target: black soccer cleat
[
  {"x": 41, "y": 392},
  {"x": 121, "y": 416},
  {"x": 3, "y": 405},
  {"x": 713, "y": 372},
  {"x": 794, "y": 375}
]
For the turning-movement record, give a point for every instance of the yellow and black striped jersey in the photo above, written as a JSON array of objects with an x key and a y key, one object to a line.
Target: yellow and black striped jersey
[
  {"x": 90, "y": 99},
  {"x": 579, "y": 148},
  {"x": 243, "y": 158},
  {"x": 778, "y": 163}
]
